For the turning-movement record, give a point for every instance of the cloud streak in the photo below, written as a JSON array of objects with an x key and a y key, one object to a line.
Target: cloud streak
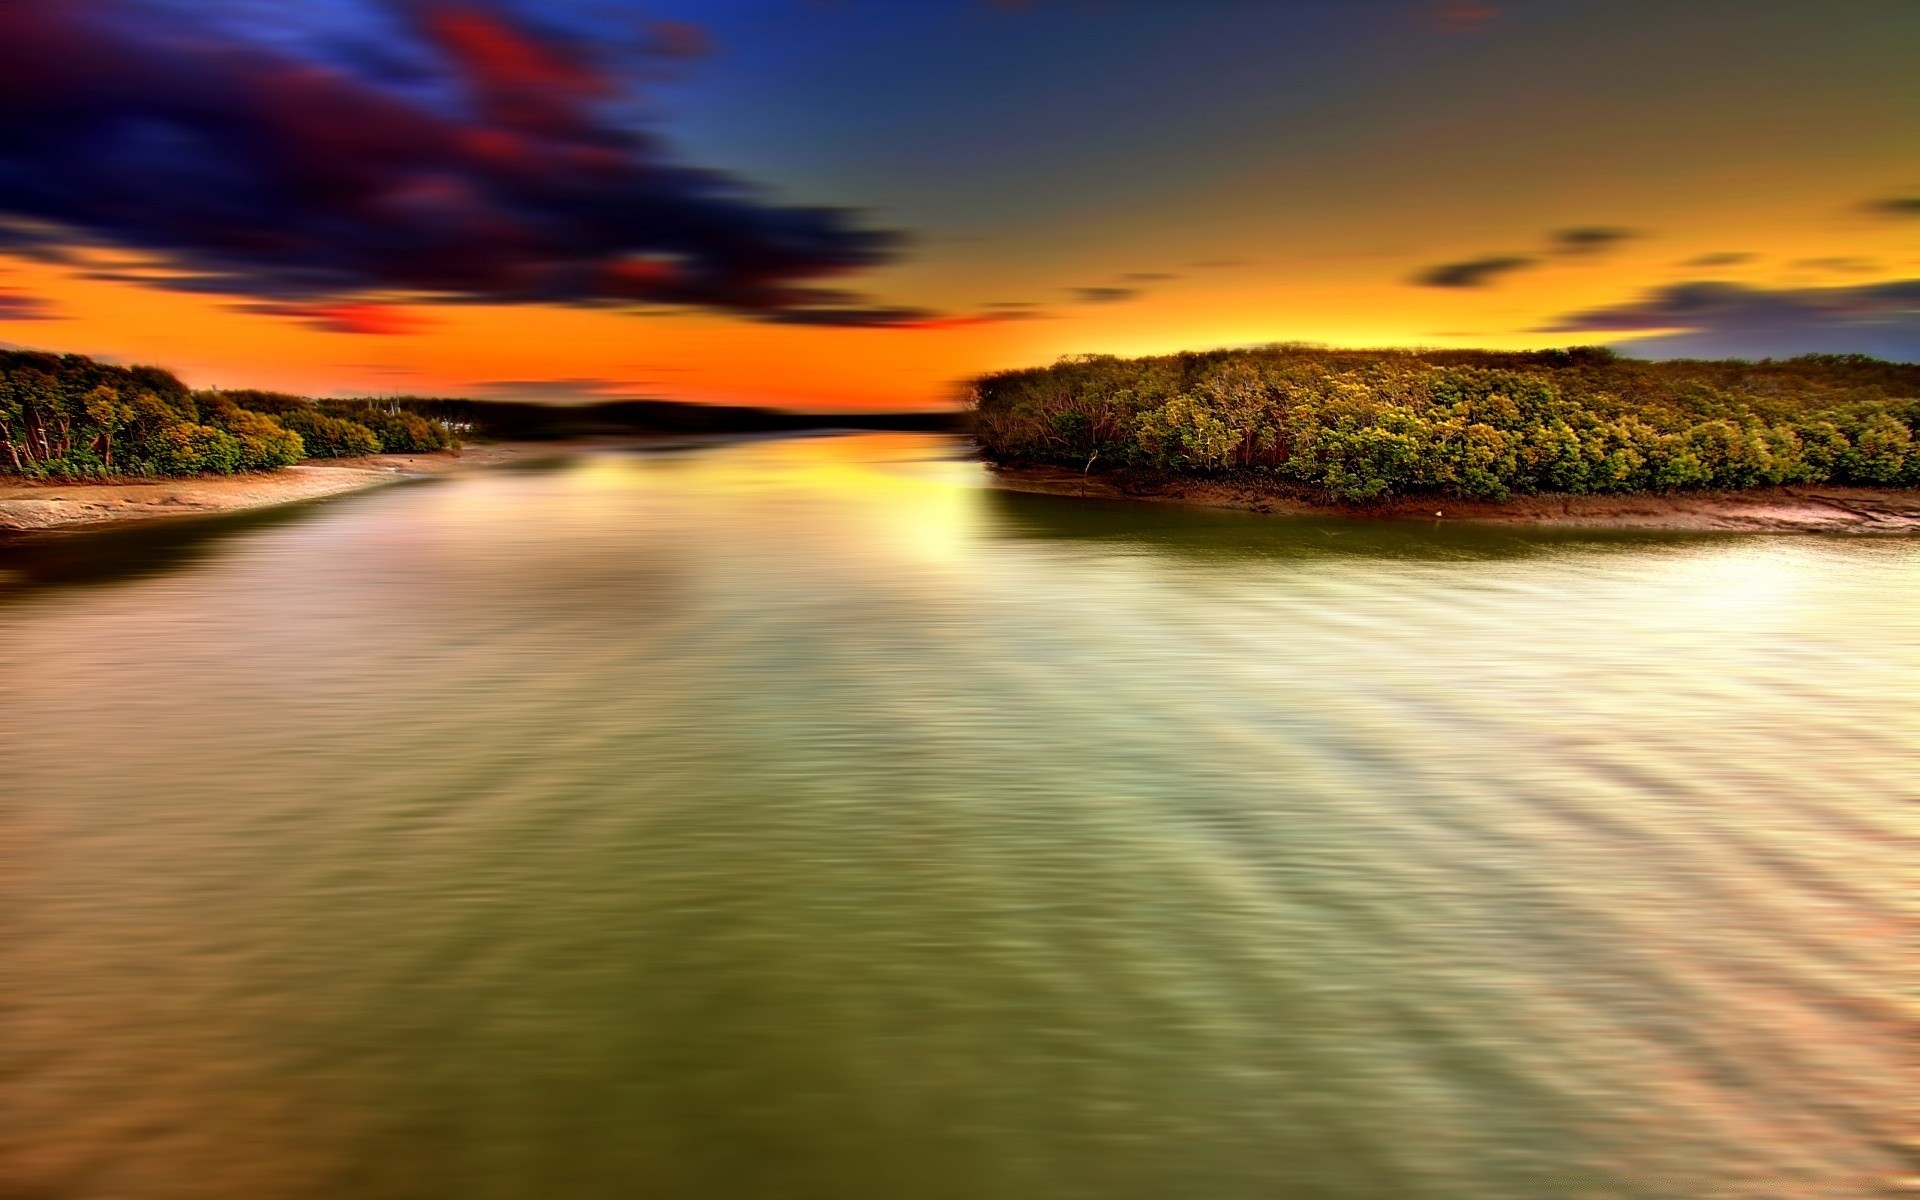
[
  {"x": 575, "y": 390},
  {"x": 377, "y": 320},
  {"x": 254, "y": 171},
  {"x": 1588, "y": 239},
  {"x": 1723, "y": 258},
  {"x": 1710, "y": 319},
  {"x": 1459, "y": 16},
  {"x": 1581, "y": 241},
  {"x": 1105, "y": 295},
  {"x": 1474, "y": 272},
  {"x": 19, "y": 306}
]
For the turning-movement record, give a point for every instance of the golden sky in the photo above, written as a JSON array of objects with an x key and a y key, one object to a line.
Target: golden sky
[{"x": 1090, "y": 178}]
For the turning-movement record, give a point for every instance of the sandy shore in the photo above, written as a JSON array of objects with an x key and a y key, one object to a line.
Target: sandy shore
[
  {"x": 1808, "y": 509},
  {"x": 34, "y": 506}
]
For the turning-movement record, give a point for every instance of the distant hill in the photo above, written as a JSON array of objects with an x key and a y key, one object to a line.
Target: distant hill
[{"x": 510, "y": 420}]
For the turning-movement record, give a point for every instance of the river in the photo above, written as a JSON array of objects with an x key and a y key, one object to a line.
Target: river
[{"x": 807, "y": 819}]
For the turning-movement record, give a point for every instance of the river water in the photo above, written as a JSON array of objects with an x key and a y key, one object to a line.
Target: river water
[{"x": 807, "y": 819}]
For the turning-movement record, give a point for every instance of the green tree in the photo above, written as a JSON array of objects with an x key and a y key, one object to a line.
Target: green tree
[{"x": 109, "y": 415}]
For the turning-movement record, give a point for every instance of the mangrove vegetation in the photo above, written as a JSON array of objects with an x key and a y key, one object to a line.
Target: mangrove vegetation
[
  {"x": 1364, "y": 425},
  {"x": 72, "y": 417}
]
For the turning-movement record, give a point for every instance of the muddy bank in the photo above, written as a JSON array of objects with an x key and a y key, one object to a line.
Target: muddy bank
[
  {"x": 36, "y": 506},
  {"x": 1807, "y": 509}
]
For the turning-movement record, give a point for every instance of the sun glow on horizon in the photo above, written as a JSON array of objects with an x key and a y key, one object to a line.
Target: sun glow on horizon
[{"x": 1453, "y": 183}]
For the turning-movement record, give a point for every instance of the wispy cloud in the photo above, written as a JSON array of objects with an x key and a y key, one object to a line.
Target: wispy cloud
[
  {"x": 677, "y": 40},
  {"x": 1588, "y": 239},
  {"x": 1580, "y": 241},
  {"x": 572, "y": 390},
  {"x": 1843, "y": 265},
  {"x": 1724, "y": 258},
  {"x": 1105, "y": 295},
  {"x": 379, "y": 320},
  {"x": 19, "y": 306},
  {"x": 1721, "y": 320},
  {"x": 1895, "y": 206},
  {"x": 1474, "y": 272},
  {"x": 894, "y": 317},
  {"x": 1458, "y": 16}
]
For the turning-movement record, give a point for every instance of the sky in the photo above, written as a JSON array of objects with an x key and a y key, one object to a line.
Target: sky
[{"x": 858, "y": 204}]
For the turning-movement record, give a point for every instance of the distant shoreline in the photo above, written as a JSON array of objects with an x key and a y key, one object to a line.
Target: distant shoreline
[
  {"x": 1811, "y": 508},
  {"x": 1574, "y": 437},
  {"x": 28, "y": 506}
]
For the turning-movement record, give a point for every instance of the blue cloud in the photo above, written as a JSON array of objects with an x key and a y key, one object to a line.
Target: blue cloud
[
  {"x": 450, "y": 149},
  {"x": 1728, "y": 320}
]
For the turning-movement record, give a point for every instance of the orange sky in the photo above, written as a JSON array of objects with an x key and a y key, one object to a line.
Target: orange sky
[{"x": 1220, "y": 234}]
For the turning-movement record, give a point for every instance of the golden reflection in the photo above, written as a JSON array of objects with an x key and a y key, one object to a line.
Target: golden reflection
[{"x": 797, "y": 817}]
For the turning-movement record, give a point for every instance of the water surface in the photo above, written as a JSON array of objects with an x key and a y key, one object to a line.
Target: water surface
[{"x": 806, "y": 819}]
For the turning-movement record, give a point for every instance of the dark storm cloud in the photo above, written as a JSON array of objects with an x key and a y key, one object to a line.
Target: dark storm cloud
[
  {"x": 18, "y": 306},
  {"x": 255, "y": 172},
  {"x": 1719, "y": 320},
  {"x": 1474, "y": 272},
  {"x": 1896, "y": 206},
  {"x": 1588, "y": 239}
]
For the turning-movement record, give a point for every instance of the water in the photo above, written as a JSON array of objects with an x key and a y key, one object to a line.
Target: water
[{"x": 807, "y": 819}]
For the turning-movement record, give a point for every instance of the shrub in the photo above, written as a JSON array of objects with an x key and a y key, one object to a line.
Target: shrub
[
  {"x": 265, "y": 444},
  {"x": 185, "y": 448},
  {"x": 330, "y": 437},
  {"x": 1880, "y": 452}
]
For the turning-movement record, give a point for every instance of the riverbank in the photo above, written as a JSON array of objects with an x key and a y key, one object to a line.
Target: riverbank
[
  {"x": 1819, "y": 508},
  {"x": 29, "y": 506}
]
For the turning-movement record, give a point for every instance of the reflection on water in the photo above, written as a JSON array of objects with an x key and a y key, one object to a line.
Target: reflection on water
[{"x": 805, "y": 819}]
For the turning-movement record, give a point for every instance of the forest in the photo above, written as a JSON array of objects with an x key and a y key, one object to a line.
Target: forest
[
  {"x": 72, "y": 417},
  {"x": 1355, "y": 426}
]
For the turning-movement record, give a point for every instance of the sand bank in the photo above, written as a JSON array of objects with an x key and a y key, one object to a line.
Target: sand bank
[
  {"x": 1807, "y": 509},
  {"x": 34, "y": 506}
]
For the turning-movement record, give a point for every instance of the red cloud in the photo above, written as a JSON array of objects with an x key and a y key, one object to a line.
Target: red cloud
[
  {"x": 19, "y": 306},
  {"x": 380, "y": 320},
  {"x": 1460, "y": 16},
  {"x": 678, "y": 40},
  {"x": 961, "y": 322},
  {"x": 517, "y": 78}
]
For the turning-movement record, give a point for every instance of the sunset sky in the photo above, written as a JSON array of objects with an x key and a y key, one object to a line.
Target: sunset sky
[{"x": 846, "y": 204}]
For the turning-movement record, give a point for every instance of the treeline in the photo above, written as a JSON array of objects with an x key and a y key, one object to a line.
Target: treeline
[
  {"x": 70, "y": 417},
  {"x": 519, "y": 420},
  {"x": 1363, "y": 425}
]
